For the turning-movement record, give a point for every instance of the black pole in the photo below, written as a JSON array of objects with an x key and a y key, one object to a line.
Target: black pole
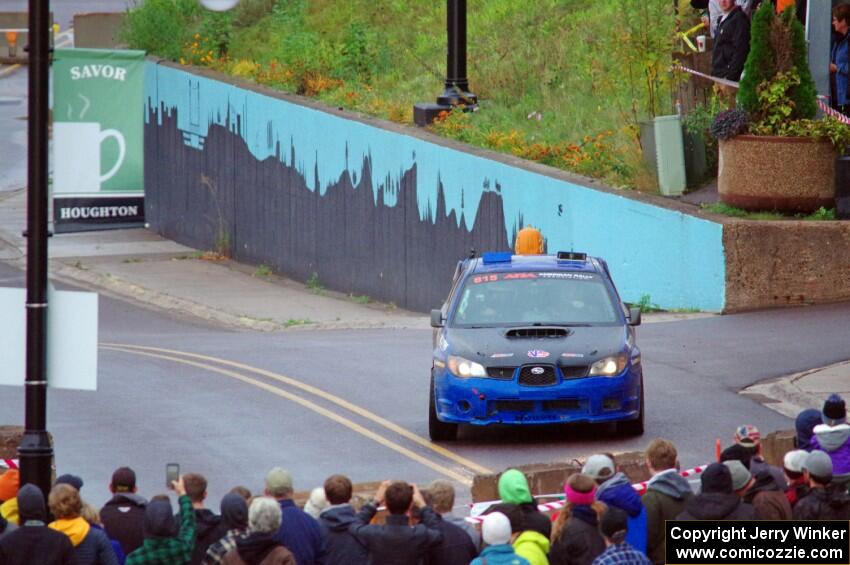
[
  {"x": 456, "y": 91},
  {"x": 35, "y": 452},
  {"x": 457, "y": 83}
]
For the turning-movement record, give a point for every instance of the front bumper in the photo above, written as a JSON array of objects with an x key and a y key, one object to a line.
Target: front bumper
[{"x": 484, "y": 401}]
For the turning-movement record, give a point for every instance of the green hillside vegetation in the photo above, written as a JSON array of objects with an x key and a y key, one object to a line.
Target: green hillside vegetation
[{"x": 562, "y": 82}]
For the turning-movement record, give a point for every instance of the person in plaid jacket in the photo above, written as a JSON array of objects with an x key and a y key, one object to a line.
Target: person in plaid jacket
[{"x": 164, "y": 543}]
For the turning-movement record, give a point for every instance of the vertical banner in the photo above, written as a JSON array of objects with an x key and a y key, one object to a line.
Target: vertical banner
[{"x": 98, "y": 148}]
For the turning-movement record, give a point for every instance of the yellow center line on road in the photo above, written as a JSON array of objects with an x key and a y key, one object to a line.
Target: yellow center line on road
[
  {"x": 354, "y": 426},
  {"x": 472, "y": 465}
]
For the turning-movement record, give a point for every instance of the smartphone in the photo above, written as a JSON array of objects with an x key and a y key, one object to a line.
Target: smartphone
[{"x": 172, "y": 473}]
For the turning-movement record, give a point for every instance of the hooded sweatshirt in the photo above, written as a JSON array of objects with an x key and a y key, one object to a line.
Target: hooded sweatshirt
[
  {"x": 664, "y": 499},
  {"x": 618, "y": 492},
  {"x": 208, "y": 530},
  {"x": 341, "y": 547},
  {"x": 123, "y": 519},
  {"x": 76, "y": 529},
  {"x": 9, "y": 483},
  {"x": 825, "y": 503},
  {"x": 805, "y": 424},
  {"x": 533, "y": 546},
  {"x": 513, "y": 489},
  {"x": 580, "y": 542},
  {"x": 834, "y": 440}
]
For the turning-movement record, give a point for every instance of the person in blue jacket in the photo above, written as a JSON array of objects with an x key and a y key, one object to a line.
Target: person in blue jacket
[
  {"x": 616, "y": 490},
  {"x": 839, "y": 62}
]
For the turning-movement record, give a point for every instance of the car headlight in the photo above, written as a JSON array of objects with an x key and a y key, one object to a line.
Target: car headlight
[
  {"x": 609, "y": 366},
  {"x": 465, "y": 368}
]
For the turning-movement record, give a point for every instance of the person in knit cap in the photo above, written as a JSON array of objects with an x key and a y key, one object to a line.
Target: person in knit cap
[
  {"x": 91, "y": 546},
  {"x": 833, "y": 437},
  {"x": 33, "y": 541},
  {"x": 234, "y": 518},
  {"x": 792, "y": 466},
  {"x": 717, "y": 500},
  {"x": 497, "y": 535},
  {"x": 9, "y": 482},
  {"x": 615, "y": 489},
  {"x": 665, "y": 496},
  {"x": 575, "y": 536},
  {"x": 805, "y": 428},
  {"x": 513, "y": 489},
  {"x": 71, "y": 480},
  {"x": 761, "y": 491},
  {"x": 827, "y": 500},
  {"x": 123, "y": 516},
  {"x": 614, "y": 528}
]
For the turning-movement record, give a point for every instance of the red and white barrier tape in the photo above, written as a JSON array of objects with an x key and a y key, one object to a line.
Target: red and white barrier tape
[
  {"x": 831, "y": 112},
  {"x": 723, "y": 81},
  {"x": 9, "y": 463},
  {"x": 557, "y": 504}
]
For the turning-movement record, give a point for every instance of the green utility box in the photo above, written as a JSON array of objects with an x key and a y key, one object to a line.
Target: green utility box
[{"x": 663, "y": 151}]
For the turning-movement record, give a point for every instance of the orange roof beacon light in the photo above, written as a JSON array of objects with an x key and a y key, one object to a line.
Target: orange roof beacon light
[
  {"x": 12, "y": 42},
  {"x": 529, "y": 241}
]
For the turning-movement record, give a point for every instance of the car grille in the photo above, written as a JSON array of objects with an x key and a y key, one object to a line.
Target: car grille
[
  {"x": 531, "y": 375},
  {"x": 575, "y": 372},
  {"x": 502, "y": 373}
]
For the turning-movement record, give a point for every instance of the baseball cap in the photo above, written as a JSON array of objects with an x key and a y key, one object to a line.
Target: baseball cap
[
  {"x": 123, "y": 479},
  {"x": 794, "y": 460},
  {"x": 819, "y": 464},
  {"x": 599, "y": 467},
  {"x": 747, "y": 435}
]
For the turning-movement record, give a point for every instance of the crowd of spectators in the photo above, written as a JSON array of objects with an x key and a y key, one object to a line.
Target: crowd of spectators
[{"x": 604, "y": 519}]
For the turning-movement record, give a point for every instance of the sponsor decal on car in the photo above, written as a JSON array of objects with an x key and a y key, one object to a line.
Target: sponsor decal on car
[
  {"x": 573, "y": 355},
  {"x": 538, "y": 354},
  {"x": 501, "y": 355}
]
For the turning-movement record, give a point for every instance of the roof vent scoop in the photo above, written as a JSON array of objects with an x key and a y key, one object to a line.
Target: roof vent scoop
[{"x": 537, "y": 333}]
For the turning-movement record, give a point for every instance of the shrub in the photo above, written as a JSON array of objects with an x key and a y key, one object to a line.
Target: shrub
[{"x": 160, "y": 26}]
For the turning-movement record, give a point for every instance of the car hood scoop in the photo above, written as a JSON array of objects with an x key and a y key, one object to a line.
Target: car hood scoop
[{"x": 537, "y": 332}]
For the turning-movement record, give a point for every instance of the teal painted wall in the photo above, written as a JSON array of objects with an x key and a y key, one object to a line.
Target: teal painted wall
[{"x": 675, "y": 258}]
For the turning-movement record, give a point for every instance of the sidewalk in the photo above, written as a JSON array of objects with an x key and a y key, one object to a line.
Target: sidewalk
[{"x": 792, "y": 394}]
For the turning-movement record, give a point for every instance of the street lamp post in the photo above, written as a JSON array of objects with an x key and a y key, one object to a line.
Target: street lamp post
[
  {"x": 456, "y": 91},
  {"x": 35, "y": 452}
]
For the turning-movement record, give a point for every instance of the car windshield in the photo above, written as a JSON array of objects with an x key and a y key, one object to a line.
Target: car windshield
[{"x": 539, "y": 298}]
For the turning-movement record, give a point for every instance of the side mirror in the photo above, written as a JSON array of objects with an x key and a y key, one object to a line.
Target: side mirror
[
  {"x": 634, "y": 316},
  {"x": 436, "y": 318}
]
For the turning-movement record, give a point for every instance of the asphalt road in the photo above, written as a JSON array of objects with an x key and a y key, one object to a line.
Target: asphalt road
[{"x": 233, "y": 422}]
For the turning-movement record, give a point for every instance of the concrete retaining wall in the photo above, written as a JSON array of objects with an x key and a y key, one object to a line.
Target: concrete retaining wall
[
  {"x": 98, "y": 30},
  {"x": 774, "y": 264},
  {"x": 384, "y": 210}
]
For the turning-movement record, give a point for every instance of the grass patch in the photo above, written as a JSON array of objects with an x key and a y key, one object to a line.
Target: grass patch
[
  {"x": 821, "y": 214},
  {"x": 561, "y": 83},
  {"x": 361, "y": 299},
  {"x": 262, "y": 271},
  {"x": 314, "y": 284},
  {"x": 292, "y": 322}
]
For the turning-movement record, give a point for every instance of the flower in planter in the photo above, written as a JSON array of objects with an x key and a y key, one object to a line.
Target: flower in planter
[{"x": 729, "y": 123}]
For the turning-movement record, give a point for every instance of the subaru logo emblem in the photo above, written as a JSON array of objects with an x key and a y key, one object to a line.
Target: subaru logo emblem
[{"x": 537, "y": 370}]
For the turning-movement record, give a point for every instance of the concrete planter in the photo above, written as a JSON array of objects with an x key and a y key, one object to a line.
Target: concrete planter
[{"x": 788, "y": 174}]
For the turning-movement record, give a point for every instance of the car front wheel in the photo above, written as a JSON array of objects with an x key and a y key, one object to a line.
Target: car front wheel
[{"x": 439, "y": 431}]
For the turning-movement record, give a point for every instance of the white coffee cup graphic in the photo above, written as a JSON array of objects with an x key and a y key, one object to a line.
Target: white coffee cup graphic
[
  {"x": 76, "y": 156},
  {"x": 701, "y": 39}
]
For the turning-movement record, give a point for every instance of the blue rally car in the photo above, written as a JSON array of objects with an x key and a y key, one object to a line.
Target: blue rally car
[{"x": 534, "y": 339}]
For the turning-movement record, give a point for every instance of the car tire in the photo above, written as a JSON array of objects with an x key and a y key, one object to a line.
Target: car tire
[
  {"x": 634, "y": 428},
  {"x": 437, "y": 430}
]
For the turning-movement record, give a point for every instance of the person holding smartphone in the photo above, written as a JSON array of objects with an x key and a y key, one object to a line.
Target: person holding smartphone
[{"x": 165, "y": 541}]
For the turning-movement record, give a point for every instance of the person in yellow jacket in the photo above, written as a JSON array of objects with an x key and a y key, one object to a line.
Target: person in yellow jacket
[{"x": 533, "y": 546}]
